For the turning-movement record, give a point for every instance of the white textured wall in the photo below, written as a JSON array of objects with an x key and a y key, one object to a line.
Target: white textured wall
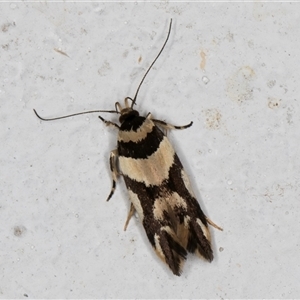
[{"x": 231, "y": 68}]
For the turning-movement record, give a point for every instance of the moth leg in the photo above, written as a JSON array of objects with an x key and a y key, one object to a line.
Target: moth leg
[
  {"x": 130, "y": 214},
  {"x": 109, "y": 123},
  {"x": 114, "y": 171},
  {"x": 170, "y": 126},
  {"x": 210, "y": 222}
]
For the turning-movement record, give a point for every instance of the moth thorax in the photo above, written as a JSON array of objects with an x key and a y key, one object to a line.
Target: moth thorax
[{"x": 128, "y": 114}]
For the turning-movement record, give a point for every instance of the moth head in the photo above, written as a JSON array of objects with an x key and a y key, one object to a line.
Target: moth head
[{"x": 126, "y": 112}]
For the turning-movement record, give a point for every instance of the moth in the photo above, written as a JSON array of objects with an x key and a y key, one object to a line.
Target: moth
[{"x": 158, "y": 186}]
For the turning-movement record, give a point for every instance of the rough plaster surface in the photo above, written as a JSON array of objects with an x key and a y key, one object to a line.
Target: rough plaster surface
[{"x": 232, "y": 68}]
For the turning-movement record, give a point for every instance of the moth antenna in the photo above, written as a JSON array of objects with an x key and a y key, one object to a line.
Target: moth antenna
[
  {"x": 72, "y": 115},
  {"x": 161, "y": 50}
]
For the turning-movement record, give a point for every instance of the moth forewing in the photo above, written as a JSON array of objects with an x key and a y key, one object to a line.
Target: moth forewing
[
  {"x": 158, "y": 187},
  {"x": 160, "y": 190}
]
